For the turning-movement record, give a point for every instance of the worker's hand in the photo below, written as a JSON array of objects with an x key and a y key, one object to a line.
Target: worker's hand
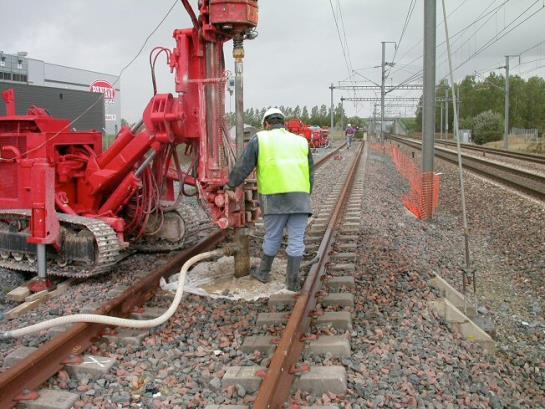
[{"x": 229, "y": 191}]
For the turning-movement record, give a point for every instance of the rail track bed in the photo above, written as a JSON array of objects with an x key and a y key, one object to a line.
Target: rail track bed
[
  {"x": 379, "y": 339},
  {"x": 527, "y": 182},
  {"x": 521, "y": 156}
]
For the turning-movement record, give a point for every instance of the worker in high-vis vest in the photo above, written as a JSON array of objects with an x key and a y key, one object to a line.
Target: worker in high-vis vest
[{"x": 284, "y": 182}]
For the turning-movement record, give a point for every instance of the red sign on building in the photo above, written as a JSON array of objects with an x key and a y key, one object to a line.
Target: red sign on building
[{"x": 104, "y": 87}]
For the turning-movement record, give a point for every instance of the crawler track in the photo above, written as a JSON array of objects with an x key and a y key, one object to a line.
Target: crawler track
[
  {"x": 51, "y": 357},
  {"x": 526, "y": 182}
]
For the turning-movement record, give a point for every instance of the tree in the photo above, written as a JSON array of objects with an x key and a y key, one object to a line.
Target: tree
[
  {"x": 304, "y": 115},
  {"x": 487, "y": 127}
]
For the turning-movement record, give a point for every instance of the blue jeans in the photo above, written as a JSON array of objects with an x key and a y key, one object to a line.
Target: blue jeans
[{"x": 274, "y": 232}]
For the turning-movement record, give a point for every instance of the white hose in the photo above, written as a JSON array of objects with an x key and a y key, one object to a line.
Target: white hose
[{"x": 116, "y": 321}]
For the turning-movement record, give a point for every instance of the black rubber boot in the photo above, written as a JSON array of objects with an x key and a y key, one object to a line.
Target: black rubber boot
[
  {"x": 292, "y": 273},
  {"x": 263, "y": 272}
]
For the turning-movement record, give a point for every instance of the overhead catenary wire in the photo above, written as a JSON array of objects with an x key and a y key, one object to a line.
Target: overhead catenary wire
[
  {"x": 495, "y": 38},
  {"x": 408, "y": 17},
  {"x": 438, "y": 25},
  {"x": 484, "y": 14},
  {"x": 348, "y": 67},
  {"x": 501, "y": 35},
  {"x": 343, "y": 27}
]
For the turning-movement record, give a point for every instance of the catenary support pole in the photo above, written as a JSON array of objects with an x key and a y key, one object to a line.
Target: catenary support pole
[
  {"x": 506, "y": 119},
  {"x": 342, "y": 114},
  {"x": 442, "y": 122},
  {"x": 428, "y": 112},
  {"x": 242, "y": 240},
  {"x": 332, "y": 110},
  {"x": 382, "y": 90},
  {"x": 446, "y": 114}
]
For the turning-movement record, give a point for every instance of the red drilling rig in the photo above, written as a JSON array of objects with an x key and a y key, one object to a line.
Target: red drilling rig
[
  {"x": 316, "y": 136},
  {"x": 68, "y": 207}
]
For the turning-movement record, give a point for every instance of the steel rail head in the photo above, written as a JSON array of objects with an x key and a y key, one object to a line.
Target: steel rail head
[
  {"x": 42, "y": 364},
  {"x": 275, "y": 389},
  {"x": 530, "y": 183}
]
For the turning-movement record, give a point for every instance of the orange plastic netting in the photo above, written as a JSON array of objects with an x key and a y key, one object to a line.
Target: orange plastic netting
[{"x": 417, "y": 200}]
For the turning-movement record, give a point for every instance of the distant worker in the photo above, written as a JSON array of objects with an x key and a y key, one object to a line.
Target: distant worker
[
  {"x": 349, "y": 133},
  {"x": 284, "y": 182}
]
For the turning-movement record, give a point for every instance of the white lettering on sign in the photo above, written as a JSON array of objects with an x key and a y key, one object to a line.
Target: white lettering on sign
[
  {"x": 111, "y": 117},
  {"x": 104, "y": 87}
]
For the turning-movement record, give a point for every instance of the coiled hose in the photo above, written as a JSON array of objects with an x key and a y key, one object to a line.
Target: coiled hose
[{"x": 116, "y": 321}]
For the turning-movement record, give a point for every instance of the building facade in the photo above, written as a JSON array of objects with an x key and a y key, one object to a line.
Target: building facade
[{"x": 18, "y": 69}]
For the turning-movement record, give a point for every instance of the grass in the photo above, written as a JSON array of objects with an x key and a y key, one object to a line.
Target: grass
[{"x": 521, "y": 145}]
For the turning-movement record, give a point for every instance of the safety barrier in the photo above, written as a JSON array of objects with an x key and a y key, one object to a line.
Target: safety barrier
[{"x": 420, "y": 183}]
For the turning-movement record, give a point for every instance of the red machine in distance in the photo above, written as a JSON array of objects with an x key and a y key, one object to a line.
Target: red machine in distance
[
  {"x": 316, "y": 136},
  {"x": 61, "y": 190}
]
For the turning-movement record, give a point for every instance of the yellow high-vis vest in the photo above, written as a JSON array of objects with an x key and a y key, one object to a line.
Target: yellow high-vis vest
[{"x": 282, "y": 163}]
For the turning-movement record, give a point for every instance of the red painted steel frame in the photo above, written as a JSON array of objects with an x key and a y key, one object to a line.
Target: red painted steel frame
[
  {"x": 47, "y": 164},
  {"x": 42, "y": 364},
  {"x": 316, "y": 137}
]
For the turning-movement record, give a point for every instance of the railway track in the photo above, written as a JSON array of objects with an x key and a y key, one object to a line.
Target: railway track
[
  {"x": 320, "y": 314},
  {"x": 527, "y": 157},
  {"x": 526, "y": 182},
  {"x": 20, "y": 382}
]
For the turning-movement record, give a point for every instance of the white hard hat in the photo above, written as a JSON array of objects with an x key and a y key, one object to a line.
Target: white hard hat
[
  {"x": 270, "y": 112},
  {"x": 349, "y": 125}
]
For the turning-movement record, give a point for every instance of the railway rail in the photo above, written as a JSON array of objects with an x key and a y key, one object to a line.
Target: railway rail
[
  {"x": 283, "y": 369},
  {"x": 527, "y": 157},
  {"x": 526, "y": 182},
  {"x": 20, "y": 382}
]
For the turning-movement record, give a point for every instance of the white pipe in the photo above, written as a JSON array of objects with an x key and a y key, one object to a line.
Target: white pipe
[{"x": 116, "y": 321}]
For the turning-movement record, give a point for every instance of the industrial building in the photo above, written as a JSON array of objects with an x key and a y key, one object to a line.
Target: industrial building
[{"x": 66, "y": 92}]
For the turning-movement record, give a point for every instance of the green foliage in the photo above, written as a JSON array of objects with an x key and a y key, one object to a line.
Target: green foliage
[
  {"x": 527, "y": 100},
  {"x": 487, "y": 127},
  {"x": 317, "y": 116}
]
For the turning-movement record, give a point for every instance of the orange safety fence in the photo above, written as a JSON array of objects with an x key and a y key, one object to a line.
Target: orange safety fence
[{"x": 423, "y": 185}]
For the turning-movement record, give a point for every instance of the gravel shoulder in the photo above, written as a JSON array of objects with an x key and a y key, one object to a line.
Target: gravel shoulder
[{"x": 400, "y": 337}]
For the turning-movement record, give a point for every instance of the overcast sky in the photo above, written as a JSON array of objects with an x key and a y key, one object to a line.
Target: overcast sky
[{"x": 297, "y": 54}]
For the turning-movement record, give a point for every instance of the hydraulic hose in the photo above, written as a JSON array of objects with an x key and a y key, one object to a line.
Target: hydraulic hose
[{"x": 116, "y": 321}]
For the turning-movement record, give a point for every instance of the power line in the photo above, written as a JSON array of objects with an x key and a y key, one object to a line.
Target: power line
[
  {"x": 340, "y": 38},
  {"x": 339, "y": 7},
  {"x": 438, "y": 25},
  {"x": 69, "y": 125},
  {"x": 412, "y": 6},
  {"x": 495, "y": 38},
  {"x": 484, "y": 14},
  {"x": 532, "y": 47}
]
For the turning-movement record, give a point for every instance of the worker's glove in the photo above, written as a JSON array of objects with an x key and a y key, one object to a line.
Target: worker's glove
[{"x": 229, "y": 191}]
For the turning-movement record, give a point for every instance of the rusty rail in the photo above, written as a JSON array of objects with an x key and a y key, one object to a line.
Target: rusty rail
[
  {"x": 42, "y": 364},
  {"x": 275, "y": 389},
  {"x": 530, "y": 183},
  {"x": 50, "y": 358}
]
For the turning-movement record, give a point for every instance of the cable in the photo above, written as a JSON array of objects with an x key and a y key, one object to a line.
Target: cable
[
  {"x": 116, "y": 321},
  {"x": 114, "y": 84},
  {"x": 412, "y": 6},
  {"x": 339, "y": 7},
  {"x": 467, "y": 255},
  {"x": 484, "y": 14},
  {"x": 340, "y": 39},
  {"x": 481, "y": 16},
  {"x": 495, "y": 38}
]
